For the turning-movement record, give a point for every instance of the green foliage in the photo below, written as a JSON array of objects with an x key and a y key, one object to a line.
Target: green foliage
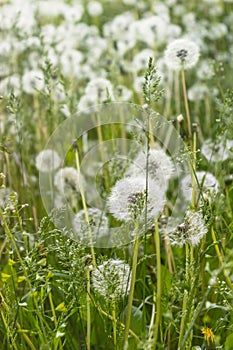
[{"x": 150, "y": 87}]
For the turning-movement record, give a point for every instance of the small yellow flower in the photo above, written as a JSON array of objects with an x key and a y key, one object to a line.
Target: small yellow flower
[
  {"x": 208, "y": 335},
  {"x": 61, "y": 307},
  {"x": 11, "y": 262},
  {"x": 21, "y": 279},
  {"x": 5, "y": 276}
]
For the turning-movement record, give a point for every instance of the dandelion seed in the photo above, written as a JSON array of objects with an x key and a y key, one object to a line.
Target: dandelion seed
[
  {"x": 4, "y": 196},
  {"x": 47, "y": 161},
  {"x": 217, "y": 152},
  {"x": 127, "y": 200},
  {"x": 190, "y": 231},
  {"x": 94, "y": 8},
  {"x": 181, "y": 53},
  {"x": 33, "y": 81},
  {"x": 86, "y": 103},
  {"x": 112, "y": 279},
  {"x": 122, "y": 93},
  {"x": 160, "y": 166},
  {"x": 67, "y": 180},
  {"x": 98, "y": 225},
  {"x": 207, "y": 182},
  {"x": 101, "y": 89}
]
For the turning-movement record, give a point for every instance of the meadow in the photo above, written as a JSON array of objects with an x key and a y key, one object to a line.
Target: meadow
[{"x": 116, "y": 174}]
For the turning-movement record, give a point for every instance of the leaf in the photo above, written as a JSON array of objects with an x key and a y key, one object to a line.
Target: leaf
[
  {"x": 136, "y": 319},
  {"x": 229, "y": 342}
]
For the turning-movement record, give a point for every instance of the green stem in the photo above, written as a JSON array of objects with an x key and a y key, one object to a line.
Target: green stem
[
  {"x": 183, "y": 319},
  {"x": 132, "y": 285},
  {"x": 85, "y": 208},
  {"x": 88, "y": 341},
  {"x": 186, "y": 104},
  {"x": 194, "y": 192},
  {"x": 159, "y": 285},
  {"x": 220, "y": 258},
  {"x": 114, "y": 325}
]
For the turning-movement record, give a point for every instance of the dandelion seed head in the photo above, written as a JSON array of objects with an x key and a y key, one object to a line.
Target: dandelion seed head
[
  {"x": 33, "y": 81},
  {"x": 101, "y": 89},
  {"x": 127, "y": 199},
  {"x": 181, "y": 53},
  {"x": 67, "y": 181},
  {"x": 160, "y": 165},
  {"x": 207, "y": 181},
  {"x": 47, "y": 161},
  {"x": 190, "y": 231},
  {"x": 112, "y": 279},
  {"x": 97, "y": 225},
  {"x": 217, "y": 152}
]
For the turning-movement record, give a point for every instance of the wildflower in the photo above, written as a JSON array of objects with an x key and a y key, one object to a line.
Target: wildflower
[
  {"x": 122, "y": 93},
  {"x": 217, "y": 152},
  {"x": 70, "y": 62},
  {"x": 73, "y": 13},
  {"x": 150, "y": 30},
  {"x": 11, "y": 83},
  {"x": 4, "y": 195},
  {"x": 33, "y": 81},
  {"x": 111, "y": 279},
  {"x": 86, "y": 103},
  {"x": 197, "y": 92},
  {"x": 98, "y": 225},
  {"x": 160, "y": 166},
  {"x": 181, "y": 53},
  {"x": 47, "y": 160},
  {"x": 94, "y": 8},
  {"x": 101, "y": 89},
  {"x": 208, "y": 184},
  {"x": 127, "y": 199},
  {"x": 140, "y": 60},
  {"x": 190, "y": 231},
  {"x": 67, "y": 181},
  {"x": 208, "y": 335}
]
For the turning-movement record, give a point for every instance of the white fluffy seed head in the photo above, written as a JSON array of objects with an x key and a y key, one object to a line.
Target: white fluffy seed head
[
  {"x": 127, "y": 200},
  {"x": 97, "y": 225},
  {"x": 190, "y": 231},
  {"x": 48, "y": 160},
  {"x": 207, "y": 182},
  {"x": 111, "y": 279},
  {"x": 160, "y": 166},
  {"x": 67, "y": 181},
  {"x": 181, "y": 53}
]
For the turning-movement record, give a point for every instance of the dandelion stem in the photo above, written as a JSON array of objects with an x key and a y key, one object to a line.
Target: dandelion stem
[
  {"x": 183, "y": 319},
  {"x": 88, "y": 341},
  {"x": 159, "y": 285},
  {"x": 220, "y": 258},
  {"x": 132, "y": 284},
  {"x": 194, "y": 169},
  {"x": 186, "y": 104},
  {"x": 114, "y": 324},
  {"x": 85, "y": 208}
]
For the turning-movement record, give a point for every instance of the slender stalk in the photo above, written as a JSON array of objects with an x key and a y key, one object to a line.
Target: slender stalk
[
  {"x": 159, "y": 285},
  {"x": 88, "y": 340},
  {"x": 122, "y": 325},
  {"x": 194, "y": 168},
  {"x": 183, "y": 319},
  {"x": 177, "y": 93},
  {"x": 85, "y": 207},
  {"x": 54, "y": 320},
  {"x": 114, "y": 325},
  {"x": 132, "y": 285},
  {"x": 220, "y": 258},
  {"x": 186, "y": 104}
]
